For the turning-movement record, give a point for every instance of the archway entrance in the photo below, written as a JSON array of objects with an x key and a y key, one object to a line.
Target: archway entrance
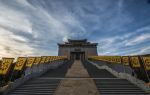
[{"x": 77, "y": 55}]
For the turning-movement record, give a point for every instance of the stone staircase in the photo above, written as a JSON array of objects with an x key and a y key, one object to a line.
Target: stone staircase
[
  {"x": 43, "y": 85},
  {"x": 39, "y": 86},
  {"x": 107, "y": 84},
  {"x": 114, "y": 86}
]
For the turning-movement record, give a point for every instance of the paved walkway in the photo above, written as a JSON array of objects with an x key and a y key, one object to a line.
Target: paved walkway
[{"x": 75, "y": 85}]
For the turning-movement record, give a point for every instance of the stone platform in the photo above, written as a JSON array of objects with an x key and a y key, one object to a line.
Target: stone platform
[{"x": 75, "y": 84}]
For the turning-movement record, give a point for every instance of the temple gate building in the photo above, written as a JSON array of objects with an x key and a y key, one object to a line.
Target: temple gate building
[{"x": 77, "y": 49}]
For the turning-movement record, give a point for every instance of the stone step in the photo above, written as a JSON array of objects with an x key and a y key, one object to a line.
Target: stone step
[
  {"x": 120, "y": 93},
  {"x": 118, "y": 90},
  {"x": 36, "y": 87},
  {"x": 117, "y": 86},
  {"x": 55, "y": 84},
  {"x": 34, "y": 90},
  {"x": 108, "y": 88},
  {"x": 35, "y": 93}
]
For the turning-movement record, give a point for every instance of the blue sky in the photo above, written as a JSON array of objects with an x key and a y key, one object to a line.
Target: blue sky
[{"x": 34, "y": 27}]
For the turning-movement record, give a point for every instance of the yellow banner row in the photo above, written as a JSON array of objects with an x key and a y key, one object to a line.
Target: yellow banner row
[
  {"x": 125, "y": 60},
  {"x": 112, "y": 59},
  {"x": 25, "y": 62}
]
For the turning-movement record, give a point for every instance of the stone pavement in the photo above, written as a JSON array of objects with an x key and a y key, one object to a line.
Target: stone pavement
[{"x": 76, "y": 84}]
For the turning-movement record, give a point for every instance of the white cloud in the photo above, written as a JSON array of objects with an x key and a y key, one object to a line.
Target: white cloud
[
  {"x": 13, "y": 45},
  {"x": 124, "y": 44},
  {"x": 12, "y": 48},
  {"x": 19, "y": 38},
  {"x": 36, "y": 26},
  {"x": 25, "y": 3},
  {"x": 14, "y": 19},
  {"x": 143, "y": 29},
  {"x": 145, "y": 50},
  {"x": 65, "y": 39},
  {"x": 45, "y": 28},
  {"x": 138, "y": 39}
]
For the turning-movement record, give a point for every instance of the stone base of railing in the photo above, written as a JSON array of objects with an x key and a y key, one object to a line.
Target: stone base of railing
[
  {"x": 135, "y": 81},
  {"x": 30, "y": 73}
]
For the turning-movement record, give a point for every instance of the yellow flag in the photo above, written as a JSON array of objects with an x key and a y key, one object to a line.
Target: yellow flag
[
  {"x": 146, "y": 62},
  {"x": 37, "y": 60},
  {"x": 20, "y": 63},
  {"x": 135, "y": 62},
  {"x": 6, "y": 62},
  {"x": 50, "y": 58},
  {"x": 43, "y": 59},
  {"x": 54, "y": 58},
  {"x": 113, "y": 59},
  {"x": 47, "y": 59},
  {"x": 118, "y": 59},
  {"x": 125, "y": 60},
  {"x": 30, "y": 61}
]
